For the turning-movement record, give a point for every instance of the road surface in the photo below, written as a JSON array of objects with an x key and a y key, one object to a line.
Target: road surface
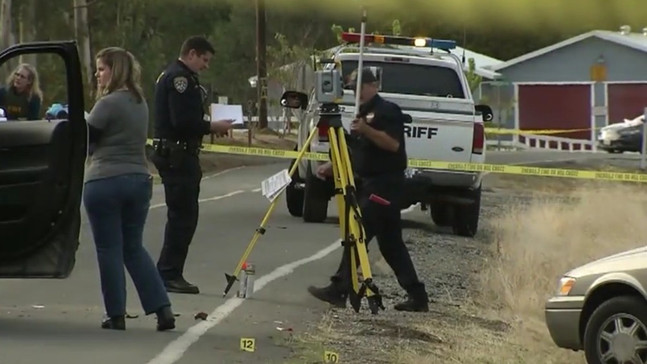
[{"x": 47, "y": 321}]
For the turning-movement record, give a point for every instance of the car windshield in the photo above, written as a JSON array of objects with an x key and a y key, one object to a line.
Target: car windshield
[{"x": 413, "y": 79}]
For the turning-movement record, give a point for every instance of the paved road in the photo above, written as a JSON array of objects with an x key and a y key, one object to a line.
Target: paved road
[{"x": 45, "y": 321}]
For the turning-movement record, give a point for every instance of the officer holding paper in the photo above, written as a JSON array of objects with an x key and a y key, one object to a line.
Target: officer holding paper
[{"x": 179, "y": 128}]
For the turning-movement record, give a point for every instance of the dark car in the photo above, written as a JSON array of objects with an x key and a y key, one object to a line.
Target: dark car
[{"x": 622, "y": 137}]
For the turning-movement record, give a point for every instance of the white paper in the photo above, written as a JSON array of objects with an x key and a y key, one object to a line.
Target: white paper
[
  {"x": 274, "y": 185},
  {"x": 220, "y": 112}
]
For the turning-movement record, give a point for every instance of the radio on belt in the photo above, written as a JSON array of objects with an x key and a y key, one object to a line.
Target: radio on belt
[{"x": 246, "y": 287}]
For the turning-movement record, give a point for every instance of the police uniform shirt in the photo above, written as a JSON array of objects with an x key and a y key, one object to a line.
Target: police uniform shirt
[
  {"x": 369, "y": 159},
  {"x": 179, "y": 112}
]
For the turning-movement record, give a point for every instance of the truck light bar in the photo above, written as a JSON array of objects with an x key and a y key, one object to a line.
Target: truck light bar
[{"x": 398, "y": 40}]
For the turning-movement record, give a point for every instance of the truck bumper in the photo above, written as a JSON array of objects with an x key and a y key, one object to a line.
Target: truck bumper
[{"x": 446, "y": 186}]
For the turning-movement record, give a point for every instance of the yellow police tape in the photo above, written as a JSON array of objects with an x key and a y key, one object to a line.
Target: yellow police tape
[
  {"x": 428, "y": 164},
  {"x": 534, "y": 132}
]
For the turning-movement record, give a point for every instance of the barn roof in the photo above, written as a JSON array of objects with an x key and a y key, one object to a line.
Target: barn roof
[{"x": 636, "y": 41}]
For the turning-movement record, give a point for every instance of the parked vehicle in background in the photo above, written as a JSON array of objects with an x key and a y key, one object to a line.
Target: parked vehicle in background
[
  {"x": 446, "y": 125},
  {"x": 622, "y": 137}
]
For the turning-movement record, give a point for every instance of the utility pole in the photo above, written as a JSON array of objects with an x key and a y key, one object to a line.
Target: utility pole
[{"x": 261, "y": 65}]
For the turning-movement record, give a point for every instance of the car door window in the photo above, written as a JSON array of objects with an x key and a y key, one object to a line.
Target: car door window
[{"x": 43, "y": 146}]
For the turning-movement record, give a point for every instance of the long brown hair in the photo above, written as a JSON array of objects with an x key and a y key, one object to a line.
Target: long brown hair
[
  {"x": 126, "y": 72},
  {"x": 33, "y": 89}
]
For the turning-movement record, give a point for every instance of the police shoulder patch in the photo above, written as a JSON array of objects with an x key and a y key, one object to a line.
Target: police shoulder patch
[{"x": 180, "y": 83}]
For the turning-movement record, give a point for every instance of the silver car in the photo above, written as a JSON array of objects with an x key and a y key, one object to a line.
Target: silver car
[{"x": 601, "y": 308}]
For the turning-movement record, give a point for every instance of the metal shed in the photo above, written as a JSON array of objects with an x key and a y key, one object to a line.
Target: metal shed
[{"x": 585, "y": 82}]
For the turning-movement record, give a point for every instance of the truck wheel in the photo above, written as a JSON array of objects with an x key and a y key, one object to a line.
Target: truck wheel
[
  {"x": 440, "y": 214},
  {"x": 466, "y": 217},
  {"x": 315, "y": 199},
  {"x": 294, "y": 195}
]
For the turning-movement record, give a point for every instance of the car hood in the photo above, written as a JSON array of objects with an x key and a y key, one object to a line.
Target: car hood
[
  {"x": 624, "y": 261},
  {"x": 625, "y": 124}
]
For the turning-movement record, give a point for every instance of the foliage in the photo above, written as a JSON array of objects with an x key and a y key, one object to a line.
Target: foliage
[
  {"x": 153, "y": 31},
  {"x": 473, "y": 79}
]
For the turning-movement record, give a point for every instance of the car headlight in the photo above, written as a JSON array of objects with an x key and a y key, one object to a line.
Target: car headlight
[{"x": 565, "y": 285}]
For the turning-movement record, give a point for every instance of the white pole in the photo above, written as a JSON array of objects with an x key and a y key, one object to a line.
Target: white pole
[
  {"x": 644, "y": 141},
  {"x": 360, "y": 62}
]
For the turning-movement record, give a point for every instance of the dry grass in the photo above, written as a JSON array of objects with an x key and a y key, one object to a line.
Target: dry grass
[
  {"x": 538, "y": 243},
  {"x": 534, "y": 245}
]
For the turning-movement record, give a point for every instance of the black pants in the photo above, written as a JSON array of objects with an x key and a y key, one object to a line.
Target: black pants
[
  {"x": 383, "y": 222},
  {"x": 181, "y": 177}
]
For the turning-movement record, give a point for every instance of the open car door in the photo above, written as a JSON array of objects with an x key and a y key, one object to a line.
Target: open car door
[{"x": 41, "y": 161}]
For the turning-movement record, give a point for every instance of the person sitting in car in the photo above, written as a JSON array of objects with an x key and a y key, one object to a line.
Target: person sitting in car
[{"x": 21, "y": 98}]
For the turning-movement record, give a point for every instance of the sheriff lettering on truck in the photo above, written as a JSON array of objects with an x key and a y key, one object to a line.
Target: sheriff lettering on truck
[{"x": 428, "y": 82}]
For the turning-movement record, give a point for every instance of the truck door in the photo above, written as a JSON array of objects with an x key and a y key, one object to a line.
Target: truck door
[{"x": 42, "y": 159}]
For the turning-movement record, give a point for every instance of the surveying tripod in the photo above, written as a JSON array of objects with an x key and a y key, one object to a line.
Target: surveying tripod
[{"x": 350, "y": 218}]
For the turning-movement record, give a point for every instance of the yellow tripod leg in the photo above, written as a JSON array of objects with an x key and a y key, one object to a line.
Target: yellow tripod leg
[
  {"x": 339, "y": 170},
  {"x": 353, "y": 229},
  {"x": 261, "y": 229},
  {"x": 357, "y": 228}
]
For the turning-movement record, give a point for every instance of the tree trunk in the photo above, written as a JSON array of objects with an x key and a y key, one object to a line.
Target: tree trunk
[
  {"x": 27, "y": 29},
  {"x": 8, "y": 37},
  {"x": 82, "y": 35}
]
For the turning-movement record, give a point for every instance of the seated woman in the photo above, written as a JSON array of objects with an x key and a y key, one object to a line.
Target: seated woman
[{"x": 21, "y": 98}]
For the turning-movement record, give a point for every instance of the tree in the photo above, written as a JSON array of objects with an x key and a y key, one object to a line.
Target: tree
[{"x": 473, "y": 79}]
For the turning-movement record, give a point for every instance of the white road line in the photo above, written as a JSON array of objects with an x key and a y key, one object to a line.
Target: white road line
[
  {"x": 204, "y": 199},
  {"x": 223, "y": 172},
  {"x": 175, "y": 349},
  {"x": 256, "y": 190}
]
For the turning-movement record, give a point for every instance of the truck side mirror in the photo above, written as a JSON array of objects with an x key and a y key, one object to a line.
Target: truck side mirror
[
  {"x": 294, "y": 100},
  {"x": 485, "y": 111}
]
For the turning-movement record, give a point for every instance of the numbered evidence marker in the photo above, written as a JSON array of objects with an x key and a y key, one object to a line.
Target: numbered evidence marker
[
  {"x": 331, "y": 357},
  {"x": 247, "y": 344}
]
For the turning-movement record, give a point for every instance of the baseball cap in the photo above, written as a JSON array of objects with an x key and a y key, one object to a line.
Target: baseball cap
[{"x": 367, "y": 77}]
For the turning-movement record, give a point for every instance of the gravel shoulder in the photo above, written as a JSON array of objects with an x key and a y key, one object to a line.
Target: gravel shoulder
[
  {"x": 449, "y": 266},
  {"x": 467, "y": 322}
]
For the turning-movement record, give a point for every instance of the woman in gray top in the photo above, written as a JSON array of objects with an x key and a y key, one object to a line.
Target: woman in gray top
[{"x": 118, "y": 189}]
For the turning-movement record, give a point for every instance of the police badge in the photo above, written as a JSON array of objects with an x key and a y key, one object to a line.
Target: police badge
[{"x": 180, "y": 83}]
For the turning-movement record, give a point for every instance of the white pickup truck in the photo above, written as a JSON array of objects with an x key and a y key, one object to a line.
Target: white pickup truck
[{"x": 445, "y": 125}]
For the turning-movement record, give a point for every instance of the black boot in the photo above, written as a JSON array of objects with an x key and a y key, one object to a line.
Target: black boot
[
  {"x": 331, "y": 294},
  {"x": 180, "y": 285},
  {"x": 165, "y": 319},
  {"x": 418, "y": 301},
  {"x": 114, "y": 323}
]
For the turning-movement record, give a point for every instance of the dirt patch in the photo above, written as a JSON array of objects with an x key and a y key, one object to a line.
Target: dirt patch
[{"x": 487, "y": 293}]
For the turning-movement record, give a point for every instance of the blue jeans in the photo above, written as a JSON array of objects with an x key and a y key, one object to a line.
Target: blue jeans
[{"x": 117, "y": 208}]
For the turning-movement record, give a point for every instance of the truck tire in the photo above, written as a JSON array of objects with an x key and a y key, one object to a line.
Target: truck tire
[
  {"x": 294, "y": 195},
  {"x": 440, "y": 214},
  {"x": 315, "y": 198},
  {"x": 466, "y": 217}
]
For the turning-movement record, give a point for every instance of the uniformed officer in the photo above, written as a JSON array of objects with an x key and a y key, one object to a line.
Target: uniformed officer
[
  {"x": 379, "y": 160},
  {"x": 179, "y": 128}
]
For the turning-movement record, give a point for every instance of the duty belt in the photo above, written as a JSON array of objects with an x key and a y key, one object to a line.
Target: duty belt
[{"x": 166, "y": 144}]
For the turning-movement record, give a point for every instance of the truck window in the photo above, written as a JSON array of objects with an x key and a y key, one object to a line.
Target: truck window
[{"x": 413, "y": 79}]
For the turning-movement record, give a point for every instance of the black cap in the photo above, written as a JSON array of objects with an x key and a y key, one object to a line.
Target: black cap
[{"x": 367, "y": 77}]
